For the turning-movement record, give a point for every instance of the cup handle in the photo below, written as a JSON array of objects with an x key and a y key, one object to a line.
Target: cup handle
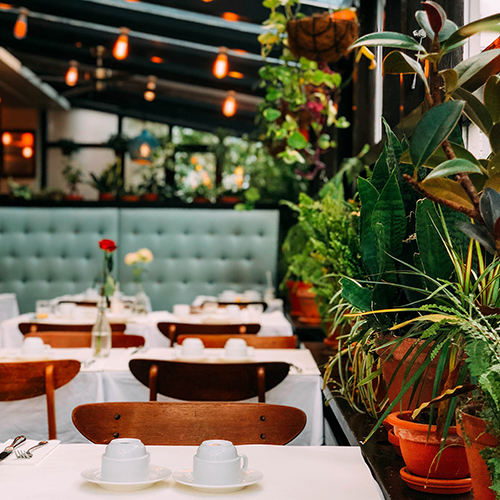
[{"x": 244, "y": 465}]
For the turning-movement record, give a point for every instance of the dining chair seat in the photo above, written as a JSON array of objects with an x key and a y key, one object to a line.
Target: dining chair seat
[
  {"x": 208, "y": 381},
  {"x": 189, "y": 424},
  {"x": 84, "y": 339},
  {"x": 59, "y": 327},
  {"x": 218, "y": 340},
  {"x": 173, "y": 330},
  {"x": 29, "y": 379}
]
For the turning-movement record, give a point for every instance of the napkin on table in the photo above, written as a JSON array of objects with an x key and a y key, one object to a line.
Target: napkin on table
[{"x": 38, "y": 455}]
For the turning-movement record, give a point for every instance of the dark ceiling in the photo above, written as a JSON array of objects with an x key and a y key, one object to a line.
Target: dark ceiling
[{"x": 183, "y": 36}]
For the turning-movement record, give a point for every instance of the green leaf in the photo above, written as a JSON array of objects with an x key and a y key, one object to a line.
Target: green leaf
[
  {"x": 439, "y": 157},
  {"x": 271, "y": 114},
  {"x": 355, "y": 294},
  {"x": 494, "y": 166},
  {"x": 452, "y": 167},
  {"x": 109, "y": 287},
  {"x": 434, "y": 127},
  {"x": 381, "y": 173},
  {"x": 447, "y": 30},
  {"x": 297, "y": 141},
  {"x": 388, "y": 39},
  {"x": 495, "y": 138},
  {"x": 492, "y": 97},
  {"x": 397, "y": 62},
  {"x": 491, "y": 23},
  {"x": 475, "y": 70},
  {"x": 474, "y": 109},
  {"x": 447, "y": 189},
  {"x": 436, "y": 15},
  {"x": 389, "y": 223},
  {"x": 450, "y": 77},
  {"x": 368, "y": 197},
  {"x": 394, "y": 149}
]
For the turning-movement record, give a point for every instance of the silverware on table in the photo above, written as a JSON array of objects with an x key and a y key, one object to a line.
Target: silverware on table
[
  {"x": 297, "y": 368},
  {"x": 9, "y": 449},
  {"x": 28, "y": 453},
  {"x": 88, "y": 362}
]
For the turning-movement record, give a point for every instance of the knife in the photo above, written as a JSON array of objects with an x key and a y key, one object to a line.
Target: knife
[{"x": 17, "y": 441}]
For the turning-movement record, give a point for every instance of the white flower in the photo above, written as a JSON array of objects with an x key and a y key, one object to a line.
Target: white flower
[
  {"x": 131, "y": 258},
  {"x": 145, "y": 255}
]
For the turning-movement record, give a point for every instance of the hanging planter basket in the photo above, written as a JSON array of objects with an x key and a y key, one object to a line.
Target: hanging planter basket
[{"x": 323, "y": 37}]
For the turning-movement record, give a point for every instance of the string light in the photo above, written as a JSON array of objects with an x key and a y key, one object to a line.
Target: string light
[
  {"x": 72, "y": 74},
  {"x": 21, "y": 26},
  {"x": 27, "y": 139},
  {"x": 27, "y": 152},
  {"x": 150, "y": 95},
  {"x": 229, "y": 106},
  {"x": 6, "y": 139},
  {"x": 221, "y": 65},
  {"x": 120, "y": 50}
]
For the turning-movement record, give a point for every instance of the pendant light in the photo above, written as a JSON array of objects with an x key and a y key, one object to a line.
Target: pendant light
[
  {"x": 120, "y": 50},
  {"x": 221, "y": 65},
  {"x": 142, "y": 147},
  {"x": 21, "y": 26},
  {"x": 229, "y": 107},
  {"x": 150, "y": 95},
  {"x": 72, "y": 74}
]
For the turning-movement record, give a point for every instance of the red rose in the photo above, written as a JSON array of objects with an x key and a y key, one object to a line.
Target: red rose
[{"x": 107, "y": 245}]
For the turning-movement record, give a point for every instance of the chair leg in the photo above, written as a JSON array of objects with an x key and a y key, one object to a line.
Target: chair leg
[
  {"x": 261, "y": 384},
  {"x": 153, "y": 380},
  {"x": 51, "y": 409}
]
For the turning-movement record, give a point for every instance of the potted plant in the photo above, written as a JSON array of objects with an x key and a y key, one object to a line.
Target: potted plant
[
  {"x": 302, "y": 94},
  {"x": 118, "y": 143},
  {"x": 17, "y": 190},
  {"x": 130, "y": 195},
  {"x": 68, "y": 147},
  {"x": 109, "y": 182},
  {"x": 73, "y": 176}
]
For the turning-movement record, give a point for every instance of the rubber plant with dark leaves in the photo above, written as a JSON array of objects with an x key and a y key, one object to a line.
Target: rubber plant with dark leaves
[
  {"x": 457, "y": 180},
  {"x": 302, "y": 94}
]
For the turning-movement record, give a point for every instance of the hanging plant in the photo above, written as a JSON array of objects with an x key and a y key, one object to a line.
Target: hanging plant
[
  {"x": 68, "y": 147},
  {"x": 302, "y": 92}
]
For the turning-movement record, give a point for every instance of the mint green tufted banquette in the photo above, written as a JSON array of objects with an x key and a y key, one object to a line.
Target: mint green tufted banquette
[{"x": 47, "y": 252}]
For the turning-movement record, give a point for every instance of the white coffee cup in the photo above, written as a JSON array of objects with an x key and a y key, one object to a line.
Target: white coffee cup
[
  {"x": 34, "y": 346},
  {"x": 236, "y": 349},
  {"x": 125, "y": 461},
  {"x": 66, "y": 309},
  {"x": 182, "y": 310},
  {"x": 192, "y": 348},
  {"x": 217, "y": 463},
  {"x": 252, "y": 296},
  {"x": 233, "y": 311}
]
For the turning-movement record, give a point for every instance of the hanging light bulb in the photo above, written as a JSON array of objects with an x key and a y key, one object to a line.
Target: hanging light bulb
[
  {"x": 120, "y": 50},
  {"x": 229, "y": 106},
  {"x": 72, "y": 74},
  {"x": 221, "y": 65},
  {"x": 149, "y": 95},
  {"x": 27, "y": 152},
  {"x": 21, "y": 26},
  {"x": 6, "y": 138}
]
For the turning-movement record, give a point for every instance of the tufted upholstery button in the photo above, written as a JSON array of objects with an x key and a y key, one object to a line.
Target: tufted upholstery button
[
  {"x": 185, "y": 282},
  {"x": 159, "y": 282},
  {"x": 261, "y": 234},
  {"x": 223, "y": 257},
  {"x": 173, "y": 257}
]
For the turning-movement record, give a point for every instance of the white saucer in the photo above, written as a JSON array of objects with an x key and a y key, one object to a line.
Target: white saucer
[
  {"x": 248, "y": 477},
  {"x": 156, "y": 473}
]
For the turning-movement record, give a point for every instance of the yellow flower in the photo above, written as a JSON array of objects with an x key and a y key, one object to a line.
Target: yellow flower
[
  {"x": 194, "y": 160},
  {"x": 363, "y": 51},
  {"x": 131, "y": 258},
  {"x": 145, "y": 255},
  {"x": 198, "y": 168},
  {"x": 239, "y": 170}
]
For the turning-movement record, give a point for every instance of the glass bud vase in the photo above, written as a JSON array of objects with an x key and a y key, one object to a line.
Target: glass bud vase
[
  {"x": 101, "y": 332},
  {"x": 141, "y": 300}
]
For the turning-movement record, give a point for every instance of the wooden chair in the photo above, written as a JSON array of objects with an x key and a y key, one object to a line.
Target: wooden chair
[
  {"x": 173, "y": 330},
  {"x": 84, "y": 339},
  {"x": 214, "y": 341},
  {"x": 189, "y": 424},
  {"x": 208, "y": 381},
  {"x": 30, "y": 379},
  {"x": 54, "y": 327}
]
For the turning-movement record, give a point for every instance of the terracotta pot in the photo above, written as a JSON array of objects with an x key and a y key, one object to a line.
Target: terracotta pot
[
  {"x": 150, "y": 196},
  {"x": 107, "y": 197},
  {"x": 394, "y": 440},
  {"x": 292, "y": 287},
  {"x": 309, "y": 306},
  {"x": 332, "y": 338},
  {"x": 201, "y": 199},
  {"x": 323, "y": 37},
  {"x": 420, "y": 451},
  {"x": 477, "y": 439},
  {"x": 132, "y": 198},
  {"x": 73, "y": 197},
  {"x": 390, "y": 364},
  {"x": 230, "y": 199}
]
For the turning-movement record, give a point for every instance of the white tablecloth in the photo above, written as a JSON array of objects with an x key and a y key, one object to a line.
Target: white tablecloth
[
  {"x": 8, "y": 306},
  {"x": 292, "y": 473},
  {"x": 110, "y": 380},
  {"x": 272, "y": 324}
]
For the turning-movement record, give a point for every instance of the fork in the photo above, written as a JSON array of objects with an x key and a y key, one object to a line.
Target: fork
[
  {"x": 27, "y": 453},
  {"x": 297, "y": 368}
]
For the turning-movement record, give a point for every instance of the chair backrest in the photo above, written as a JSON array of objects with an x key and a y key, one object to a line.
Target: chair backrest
[
  {"x": 30, "y": 379},
  {"x": 208, "y": 381},
  {"x": 84, "y": 339},
  {"x": 217, "y": 340},
  {"x": 241, "y": 305},
  {"x": 55, "y": 327},
  {"x": 173, "y": 330},
  {"x": 189, "y": 424}
]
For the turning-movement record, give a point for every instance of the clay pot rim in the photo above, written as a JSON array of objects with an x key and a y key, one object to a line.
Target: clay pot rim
[
  {"x": 394, "y": 420},
  {"x": 444, "y": 484},
  {"x": 481, "y": 435}
]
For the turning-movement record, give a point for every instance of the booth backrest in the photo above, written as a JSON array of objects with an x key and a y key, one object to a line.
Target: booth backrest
[{"x": 47, "y": 252}]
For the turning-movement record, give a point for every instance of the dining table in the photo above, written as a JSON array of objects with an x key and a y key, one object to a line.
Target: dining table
[
  {"x": 289, "y": 472},
  {"x": 272, "y": 324},
  {"x": 110, "y": 380}
]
